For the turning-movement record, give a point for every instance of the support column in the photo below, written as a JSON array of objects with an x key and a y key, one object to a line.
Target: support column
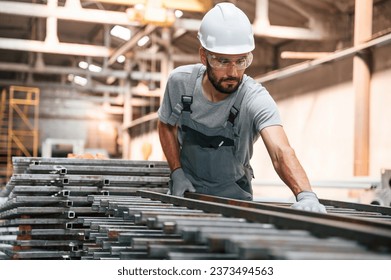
[
  {"x": 361, "y": 81},
  {"x": 128, "y": 113},
  {"x": 167, "y": 63}
]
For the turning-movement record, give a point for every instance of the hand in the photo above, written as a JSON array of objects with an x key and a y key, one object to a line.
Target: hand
[
  {"x": 179, "y": 183},
  {"x": 308, "y": 201}
]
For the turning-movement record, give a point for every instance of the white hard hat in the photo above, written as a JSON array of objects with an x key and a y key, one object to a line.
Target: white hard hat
[{"x": 226, "y": 29}]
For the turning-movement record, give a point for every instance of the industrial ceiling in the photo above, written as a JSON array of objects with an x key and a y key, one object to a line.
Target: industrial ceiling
[{"x": 69, "y": 44}]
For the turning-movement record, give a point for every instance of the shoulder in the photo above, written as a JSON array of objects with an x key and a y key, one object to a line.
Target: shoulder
[
  {"x": 257, "y": 98},
  {"x": 253, "y": 87},
  {"x": 259, "y": 106},
  {"x": 254, "y": 90},
  {"x": 182, "y": 72}
]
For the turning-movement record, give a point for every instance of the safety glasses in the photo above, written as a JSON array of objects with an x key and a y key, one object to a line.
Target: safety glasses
[{"x": 220, "y": 62}]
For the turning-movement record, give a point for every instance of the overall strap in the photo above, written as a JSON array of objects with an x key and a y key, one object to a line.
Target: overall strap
[
  {"x": 190, "y": 86},
  {"x": 187, "y": 97},
  {"x": 234, "y": 111}
]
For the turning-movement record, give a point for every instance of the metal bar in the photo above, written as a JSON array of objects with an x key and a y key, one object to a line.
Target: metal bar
[
  {"x": 265, "y": 206},
  {"x": 99, "y": 170},
  {"x": 163, "y": 221},
  {"x": 306, "y": 66},
  {"x": 354, "y": 183},
  {"x": 162, "y": 250},
  {"x": 95, "y": 180},
  {"x": 51, "y": 190},
  {"x": 143, "y": 242},
  {"x": 106, "y": 225},
  {"x": 35, "y": 200},
  {"x": 200, "y": 256},
  {"x": 68, "y": 212},
  {"x": 231, "y": 243},
  {"x": 45, "y": 233},
  {"x": 318, "y": 226},
  {"x": 35, "y": 221},
  {"x": 360, "y": 207},
  {"x": 127, "y": 237},
  {"x": 133, "y": 255},
  {"x": 43, "y": 254},
  {"x": 291, "y": 255},
  {"x": 147, "y": 216},
  {"x": 311, "y": 251},
  {"x": 46, "y": 243},
  {"x": 92, "y": 162},
  {"x": 121, "y": 190}
]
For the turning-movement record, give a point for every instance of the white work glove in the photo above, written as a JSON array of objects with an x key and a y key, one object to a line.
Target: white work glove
[
  {"x": 308, "y": 201},
  {"x": 179, "y": 184}
]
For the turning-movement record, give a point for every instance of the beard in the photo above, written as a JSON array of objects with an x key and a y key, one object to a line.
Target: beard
[{"x": 218, "y": 83}]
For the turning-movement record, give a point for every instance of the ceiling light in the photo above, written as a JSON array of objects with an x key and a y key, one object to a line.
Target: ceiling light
[
  {"x": 83, "y": 65},
  {"x": 178, "y": 13},
  {"x": 121, "y": 32},
  {"x": 155, "y": 14},
  {"x": 94, "y": 68},
  {"x": 152, "y": 12},
  {"x": 143, "y": 41},
  {"x": 139, "y": 6},
  {"x": 121, "y": 59},
  {"x": 81, "y": 81}
]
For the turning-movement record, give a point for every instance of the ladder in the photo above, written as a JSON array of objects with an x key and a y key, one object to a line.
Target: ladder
[
  {"x": 3, "y": 136},
  {"x": 18, "y": 126}
]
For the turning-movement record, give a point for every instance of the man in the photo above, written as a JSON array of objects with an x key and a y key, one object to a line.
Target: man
[{"x": 212, "y": 113}]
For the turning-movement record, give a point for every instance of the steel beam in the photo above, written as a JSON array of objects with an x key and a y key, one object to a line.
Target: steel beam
[
  {"x": 73, "y": 13},
  {"x": 316, "y": 225},
  {"x": 308, "y": 65},
  {"x": 285, "y": 209},
  {"x": 57, "y": 48},
  {"x": 99, "y": 170}
]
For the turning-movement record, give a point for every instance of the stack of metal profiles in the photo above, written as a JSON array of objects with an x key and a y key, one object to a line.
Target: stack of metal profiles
[
  {"x": 205, "y": 227},
  {"x": 45, "y": 196},
  {"x": 75, "y": 209}
]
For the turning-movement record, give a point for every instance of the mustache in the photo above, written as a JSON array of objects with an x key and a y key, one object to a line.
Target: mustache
[{"x": 230, "y": 79}]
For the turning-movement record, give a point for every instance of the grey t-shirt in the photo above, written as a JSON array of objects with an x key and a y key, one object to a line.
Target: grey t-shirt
[{"x": 258, "y": 109}]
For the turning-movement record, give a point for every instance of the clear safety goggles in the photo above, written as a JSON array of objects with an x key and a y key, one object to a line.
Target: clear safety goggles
[{"x": 220, "y": 62}]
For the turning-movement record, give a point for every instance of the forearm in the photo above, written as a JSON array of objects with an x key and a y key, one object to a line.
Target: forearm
[
  {"x": 290, "y": 171},
  {"x": 169, "y": 143}
]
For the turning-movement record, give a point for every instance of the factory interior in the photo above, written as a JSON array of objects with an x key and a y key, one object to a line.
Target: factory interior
[{"x": 82, "y": 171}]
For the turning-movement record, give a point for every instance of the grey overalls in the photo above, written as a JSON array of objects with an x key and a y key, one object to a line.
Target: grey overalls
[{"x": 208, "y": 154}]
